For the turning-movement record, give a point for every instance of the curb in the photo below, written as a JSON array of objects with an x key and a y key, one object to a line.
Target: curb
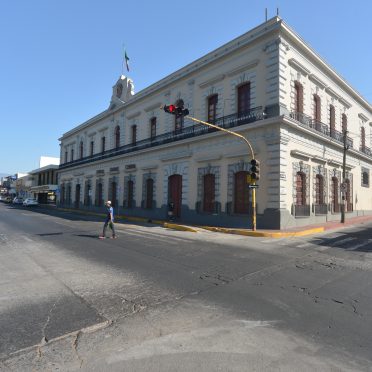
[
  {"x": 173, "y": 226},
  {"x": 266, "y": 234}
]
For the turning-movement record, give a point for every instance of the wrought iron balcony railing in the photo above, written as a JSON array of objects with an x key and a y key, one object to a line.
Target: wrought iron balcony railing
[
  {"x": 320, "y": 127},
  {"x": 365, "y": 150},
  {"x": 320, "y": 209},
  {"x": 229, "y": 121},
  {"x": 301, "y": 210}
]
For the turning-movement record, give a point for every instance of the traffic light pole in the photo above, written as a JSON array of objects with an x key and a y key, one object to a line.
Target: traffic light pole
[{"x": 254, "y": 217}]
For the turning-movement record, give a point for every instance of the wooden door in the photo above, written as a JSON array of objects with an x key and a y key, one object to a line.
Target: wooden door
[
  {"x": 175, "y": 193},
  {"x": 209, "y": 193},
  {"x": 77, "y": 196},
  {"x": 241, "y": 197}
]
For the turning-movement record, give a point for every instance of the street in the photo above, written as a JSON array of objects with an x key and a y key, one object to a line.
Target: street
[{"x": 163, "y": 300}]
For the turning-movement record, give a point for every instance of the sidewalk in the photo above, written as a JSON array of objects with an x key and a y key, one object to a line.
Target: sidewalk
[
  {"x": 296, "y": 231},
  {"x": 291, "y": 232}
]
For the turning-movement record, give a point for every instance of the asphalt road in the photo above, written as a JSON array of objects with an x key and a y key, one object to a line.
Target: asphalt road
[{"x": 162, "y": 300}]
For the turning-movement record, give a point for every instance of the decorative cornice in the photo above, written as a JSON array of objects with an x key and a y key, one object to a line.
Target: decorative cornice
[
  {"x": 318, "y": 159},
  {"x": 331, "y": 92},
  {"x": 208, "y": 158},
  {"x": 152, "y": 106},
  {"x": 362, "y": 116},
  {"x": 211, "y": 81},
  {"x": 334, "y": 163},
  {"x": 244, "y": 67},
  {"x": 177, "y": 155},
  {"x": 300, "y": 154},
  {"x": 298, "y": 66},
  {"x": 317, "y": 81},
  {"x": 344, "y": 102},
  {"x": 148, "y": 167},
  {"x": 133, "y": 115}
]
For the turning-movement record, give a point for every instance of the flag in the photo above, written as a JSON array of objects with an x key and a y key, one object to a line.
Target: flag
[{"x": 126, "y": 60}]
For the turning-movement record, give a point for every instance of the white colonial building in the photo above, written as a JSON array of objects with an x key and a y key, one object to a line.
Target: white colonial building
[{"x": 267, "y": 85}]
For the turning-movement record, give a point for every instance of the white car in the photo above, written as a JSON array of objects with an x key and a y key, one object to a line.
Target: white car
[
  {"x": 30, "y": 201},
  {"x": 18, "y": 200}
]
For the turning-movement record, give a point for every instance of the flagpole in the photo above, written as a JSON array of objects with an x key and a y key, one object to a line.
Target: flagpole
[{"x": 122, "y": 60}]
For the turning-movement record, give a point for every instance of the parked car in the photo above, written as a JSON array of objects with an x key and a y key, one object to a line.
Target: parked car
[
  {"x": 18, "y": 200},
  {"x": 8, "y": 199},
  {"x": 29, "y": 202}
]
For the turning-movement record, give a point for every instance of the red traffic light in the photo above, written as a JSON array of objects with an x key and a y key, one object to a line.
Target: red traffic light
[
  {"x": 170, "y": 109},
  {"x": 177, "y": 110}
]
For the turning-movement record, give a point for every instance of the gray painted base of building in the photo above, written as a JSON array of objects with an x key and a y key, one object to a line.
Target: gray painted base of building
[{"x": 271, "y": 219}]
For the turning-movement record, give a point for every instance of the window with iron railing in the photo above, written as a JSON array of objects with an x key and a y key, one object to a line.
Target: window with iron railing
[{"x": 117, "y": 136}]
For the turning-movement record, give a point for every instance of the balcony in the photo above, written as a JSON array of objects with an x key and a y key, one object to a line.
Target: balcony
[
  {"x": 320, "y": 127},
  {"x": 299, "y": 210},
  {"x": 227, "y": 122},
  {"x": 320, "y": 209},
  {"x": 366, "y": 150}
]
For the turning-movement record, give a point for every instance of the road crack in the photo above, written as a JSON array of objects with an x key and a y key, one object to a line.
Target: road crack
[{"x": 75, "y": 347}]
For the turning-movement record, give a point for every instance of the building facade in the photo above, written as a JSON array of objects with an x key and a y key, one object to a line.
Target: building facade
[{"x": 267, "y": 85}]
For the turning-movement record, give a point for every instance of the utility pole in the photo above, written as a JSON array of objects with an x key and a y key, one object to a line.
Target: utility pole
[{"x": 343, "y": 188}]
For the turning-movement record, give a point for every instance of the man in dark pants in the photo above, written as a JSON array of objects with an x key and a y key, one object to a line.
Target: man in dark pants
[{"x": 109, "y": 221}]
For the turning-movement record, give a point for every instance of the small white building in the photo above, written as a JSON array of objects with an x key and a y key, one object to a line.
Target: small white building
[{"x": 267, "y": 85}]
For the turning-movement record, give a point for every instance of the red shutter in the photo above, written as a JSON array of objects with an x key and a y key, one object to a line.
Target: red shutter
[
  {"x": 241, "y": 196},
  {"x": 244, "y": 98},
  {"x": 209, "y": 193}
]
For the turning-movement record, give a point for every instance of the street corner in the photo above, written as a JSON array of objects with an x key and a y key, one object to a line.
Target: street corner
[{"x": 177, "y": 227}]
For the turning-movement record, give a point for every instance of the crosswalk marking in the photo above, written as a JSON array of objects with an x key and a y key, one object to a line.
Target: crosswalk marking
[
  {"x": 150, "y": 235},
  {"x": 153, "y": 237},
  {"x": 342, "y": 241},
  {"x": 359, "y": 245}
]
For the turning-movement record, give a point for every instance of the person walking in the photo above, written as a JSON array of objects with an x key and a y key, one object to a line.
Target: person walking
[{"x": 109, "y": 221}]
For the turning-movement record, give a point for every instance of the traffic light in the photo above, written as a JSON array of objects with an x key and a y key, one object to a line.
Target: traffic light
[
  {"x": 255, "y": 170},
  {"x": 177, "y": 109},
  {"x": 170, "y": 109}
]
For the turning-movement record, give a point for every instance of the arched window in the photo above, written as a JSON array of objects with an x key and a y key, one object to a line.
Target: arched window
[
  {"x": 244, "y": 98},
  {"x": 149, "y": 193},
  {"x": 300, "y": 188},
  {"x": 332, "y": 120},
  {"x": 91, "y": 148},
  {"x": 100, "y": 195},
  {"x": 153, "y": 128},
  {"x": 319, "y": 189},
  {"x": 113, "y": 194},
  {"x": 362, "y": 139},
  {"x": 117, "y": 137},
  {"x": 335, "y": 192},
  {"x": 299, "y": 97},
  {"x": 103, "y": 144},
  {"x": 349, "y": 204},
  {"x": 317, "y": 108},
  {"x": 365, "y": 178},
  {"x": 209, "y": 193},
  {"x": 81, "y": 149},
  {"x": 134, "y": 134},
  {"x": 130, "y": 186},
  {"x": 212, "y": 108}
]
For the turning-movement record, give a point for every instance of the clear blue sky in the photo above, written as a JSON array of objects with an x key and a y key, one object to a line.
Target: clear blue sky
[{"x": 59, "y": 59}]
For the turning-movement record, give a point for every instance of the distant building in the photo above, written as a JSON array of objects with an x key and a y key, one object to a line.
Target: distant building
[
  {"x": 45, "y": 184},
  {"x": 267, "y": 85},
  {"x": 48, "y": 160}
]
